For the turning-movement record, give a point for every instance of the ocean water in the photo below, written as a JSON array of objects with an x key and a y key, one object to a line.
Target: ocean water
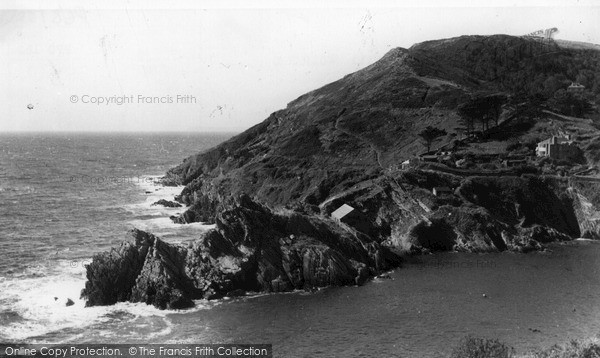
[{"x": 65, "y": 197}]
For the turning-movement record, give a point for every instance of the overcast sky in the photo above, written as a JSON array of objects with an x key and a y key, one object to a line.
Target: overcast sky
[{"x": 232, "y": 65}]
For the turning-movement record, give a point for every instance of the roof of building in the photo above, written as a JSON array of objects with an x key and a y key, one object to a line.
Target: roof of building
[
  {"x": 441, "y": 188},
  {"x": 559, "y": 139},
  {"x": 342, "y": 211}
]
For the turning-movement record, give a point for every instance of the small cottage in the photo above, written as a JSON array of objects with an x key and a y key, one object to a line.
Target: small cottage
[
  {"x": 410, "y": 163},
  {"x": 353, "y": 217},
  {"x": 575, "y": 87},
  {"x": 342, "y": 212},
  {"x": 441, "y": 190}
]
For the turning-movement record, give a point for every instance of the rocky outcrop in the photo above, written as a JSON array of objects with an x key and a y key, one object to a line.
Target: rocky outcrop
[
  {"x": 585, "y": 194},
  {"x": 251, "y": 249},
  {"x": 500, "y": 213},
  {"x": 166, "y": 203},
  {"x": 482, "y": 214},
  {"x": 112, "y": 275}
]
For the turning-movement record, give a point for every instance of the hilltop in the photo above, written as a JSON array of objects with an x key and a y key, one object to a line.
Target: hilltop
[{"x": 272, "y": 189}]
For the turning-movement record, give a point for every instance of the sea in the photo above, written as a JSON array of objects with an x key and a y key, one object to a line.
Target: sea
[{"x": 67, "y": 196}]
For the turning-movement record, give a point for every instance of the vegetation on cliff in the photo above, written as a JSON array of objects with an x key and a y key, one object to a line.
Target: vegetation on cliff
[{"x": 476, "y": 347}]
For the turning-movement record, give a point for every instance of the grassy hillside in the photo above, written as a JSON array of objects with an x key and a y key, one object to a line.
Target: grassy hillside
[{"x": 355, "y": 128}]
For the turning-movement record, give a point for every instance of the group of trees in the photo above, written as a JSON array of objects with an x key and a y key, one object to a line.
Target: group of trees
[
  {"x": 571, "y": 104},
  {"x": 514, "y": 65},
  {"x": 536, "y": 74},
  {"x": 481, "y": 109}
]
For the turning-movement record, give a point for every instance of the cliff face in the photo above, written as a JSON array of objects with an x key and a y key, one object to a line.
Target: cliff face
[
  {"x": 585, "y": 195},
  {"x": 271, "y": 190}
]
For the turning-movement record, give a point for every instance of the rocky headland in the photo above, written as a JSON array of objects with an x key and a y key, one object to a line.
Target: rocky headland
[{"x": 271, "y": 190}]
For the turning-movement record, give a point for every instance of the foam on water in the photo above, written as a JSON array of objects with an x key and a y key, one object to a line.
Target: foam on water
[
  {"x": 156, "y": 218},
  {"x": 36, "y": 298},
  {"x": 40, "y": 303},
  {"x": 62, "y": 206},
  {"x": 160, "y": 223}
]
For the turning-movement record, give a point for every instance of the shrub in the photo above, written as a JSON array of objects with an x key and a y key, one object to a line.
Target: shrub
[
  {"x": 473, "y": 347},
  {"x": 575, "y": 349},
  {"x": 513, "y": 144},
  {"x": 489, "y": 166}
]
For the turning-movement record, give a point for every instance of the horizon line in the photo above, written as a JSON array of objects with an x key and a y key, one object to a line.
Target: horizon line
[{"x": 119, "y": 131}]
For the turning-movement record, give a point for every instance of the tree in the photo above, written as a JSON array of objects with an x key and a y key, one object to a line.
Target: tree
[
  {"x": 494, "y": 105},
  {"x": 430, "y": 135},
  {"x": 468, "y": 115}
]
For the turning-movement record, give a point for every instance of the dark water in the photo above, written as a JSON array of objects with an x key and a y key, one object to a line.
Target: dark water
[
  {"x": 51, "y": 225},
  {"x": 431, "y": 303}
]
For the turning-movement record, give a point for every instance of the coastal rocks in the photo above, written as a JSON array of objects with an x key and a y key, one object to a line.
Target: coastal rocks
[
  {"x": 523, "y": 201},
  {"x": 251, "y": 249},
  {"x": 162, "y": 281},
  {"x": 185, "y": 218},
  {"x": 585, "y": 195},
  {"x": 167, "y": 203},
  {"x": 111, "y": 275}
]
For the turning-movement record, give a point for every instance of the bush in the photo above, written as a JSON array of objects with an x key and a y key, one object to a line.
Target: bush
[
  {"x": 489, "y": 166},
  {"x": 513, "y": 144},
  {"x": 473, "y": 347},
  {"x": 574, "y": 349}
]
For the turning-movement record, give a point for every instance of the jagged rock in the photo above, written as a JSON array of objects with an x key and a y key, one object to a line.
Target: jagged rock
[
  {"x": 362, "y": 276},
  {"x": 111, "y": 275},
  {"x": 187, "y": 217},
  {"x": 162, "y": 280},
  {"x": 245, "y": 252},
  {"x": 69, "y": 302},
  {"x": 167, "y": 203}
]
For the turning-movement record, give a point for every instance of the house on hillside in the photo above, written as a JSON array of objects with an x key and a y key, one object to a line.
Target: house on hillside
[
  {"x": 441, "y": 190},
  {"x": 353, "y": 217},
  {"x": 340, "y": 213},
  {"x": 561, "y": 148},
  {"x": 410, "y": 163},
  {"x": 575, "y": 87},
  {"x": 429, "y": 158}
]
